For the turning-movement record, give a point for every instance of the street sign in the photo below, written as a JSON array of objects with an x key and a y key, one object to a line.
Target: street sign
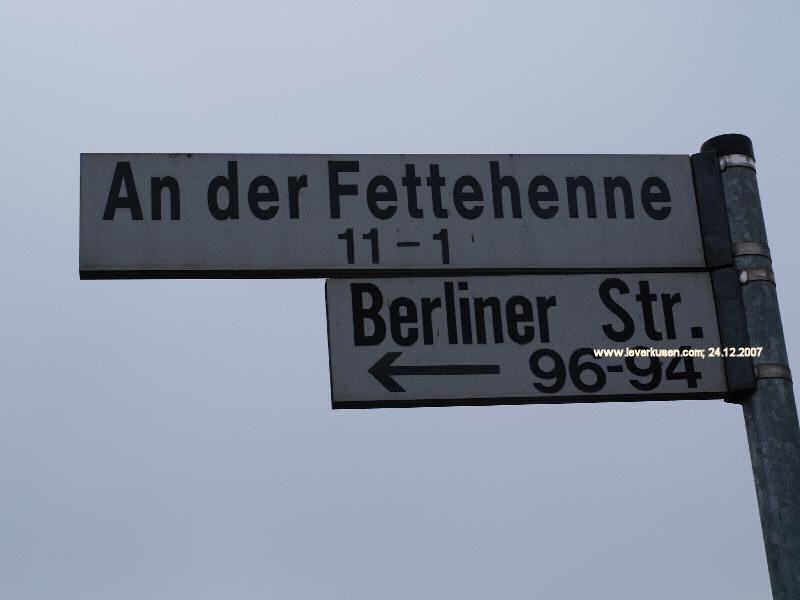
[
  {"x": 434, "y": 341},
  {"x": 247, "y": 215},
  {"x": 647, "y": 305}
]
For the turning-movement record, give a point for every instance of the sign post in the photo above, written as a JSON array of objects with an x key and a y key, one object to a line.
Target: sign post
[
  {"x": 557, "y": 278},
  {"x": 770, "y": 413}
]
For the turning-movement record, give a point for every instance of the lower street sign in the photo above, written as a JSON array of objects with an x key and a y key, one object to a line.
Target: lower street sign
[{"x": 433, "y": 341}]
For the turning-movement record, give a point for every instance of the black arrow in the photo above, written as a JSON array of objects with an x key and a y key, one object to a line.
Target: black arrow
[{"x": 384, "y": 370}]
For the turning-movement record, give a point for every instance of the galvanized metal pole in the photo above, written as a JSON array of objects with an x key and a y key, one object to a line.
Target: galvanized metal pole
[{"x": 770, "y": 413}]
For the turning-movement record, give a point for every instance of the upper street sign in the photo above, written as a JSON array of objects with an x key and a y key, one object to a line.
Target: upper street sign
[
  {"x": 531, "y": 338},
  {"x": 217, "y": 215}
]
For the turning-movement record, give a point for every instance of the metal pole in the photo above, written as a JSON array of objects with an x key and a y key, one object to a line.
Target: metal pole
[{"x": 770, "y": 413}]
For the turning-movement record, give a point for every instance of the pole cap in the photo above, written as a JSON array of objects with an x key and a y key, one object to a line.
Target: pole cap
[{"x": 729, "y": 143}]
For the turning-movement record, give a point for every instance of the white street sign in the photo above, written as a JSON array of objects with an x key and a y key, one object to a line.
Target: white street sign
[
  {"x": 240, "y": 215},
  {"x": 521, "y": 339}
]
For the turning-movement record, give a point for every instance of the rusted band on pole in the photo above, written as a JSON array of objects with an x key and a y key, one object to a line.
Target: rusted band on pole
[
  {"x": 751, "y": 249},
  {"x": 772, "y": 371},
  {"x": 756, "y": 274}
]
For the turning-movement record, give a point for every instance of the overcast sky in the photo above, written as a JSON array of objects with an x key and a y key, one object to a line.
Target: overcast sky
[{"x": 174, "y": 439}]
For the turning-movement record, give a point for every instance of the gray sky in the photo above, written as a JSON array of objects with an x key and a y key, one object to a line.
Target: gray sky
[{"x": 174, "y": 439}]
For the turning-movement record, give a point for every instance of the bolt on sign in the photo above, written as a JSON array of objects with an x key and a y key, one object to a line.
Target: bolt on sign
[
  {"x": 516, "y": 339},
  {"x": 249, "y": 215}
]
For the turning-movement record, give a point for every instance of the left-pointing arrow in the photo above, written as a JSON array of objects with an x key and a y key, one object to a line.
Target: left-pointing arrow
[{"x": 385, "y": 371}]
